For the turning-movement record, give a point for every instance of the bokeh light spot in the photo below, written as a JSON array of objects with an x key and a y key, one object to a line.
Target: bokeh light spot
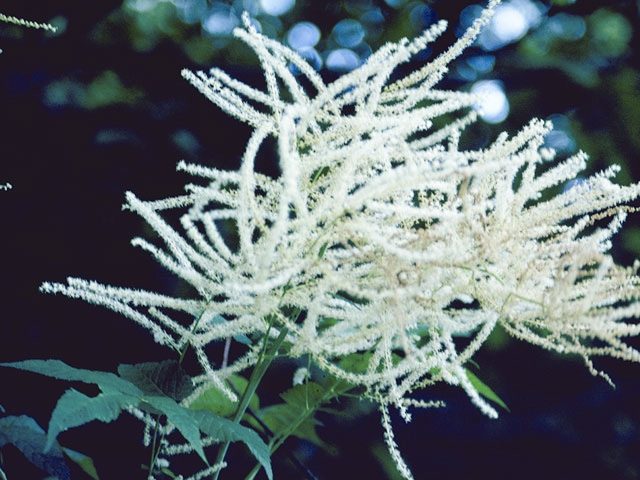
[
  {"x": 493, "y": 105},
  {"x": 342, "y": 60},
  {"x": 303, "y": 34},
  {"x": 348, "y": 33},
  {"x": 312, "y": 57},
  {"x": 191, "y": 11},
  {"x": 221, "y": 21},
  {"x": 276, "y": 7}
]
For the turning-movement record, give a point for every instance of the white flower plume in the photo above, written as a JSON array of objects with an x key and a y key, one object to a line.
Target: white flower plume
[{"x": 391, "y": 240}]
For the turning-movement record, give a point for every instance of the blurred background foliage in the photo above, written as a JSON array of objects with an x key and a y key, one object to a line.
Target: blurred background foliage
[{"x": 98, "y": 108}]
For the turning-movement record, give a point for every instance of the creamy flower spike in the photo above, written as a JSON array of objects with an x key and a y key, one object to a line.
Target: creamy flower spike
[{"x": 390, "y": 239}]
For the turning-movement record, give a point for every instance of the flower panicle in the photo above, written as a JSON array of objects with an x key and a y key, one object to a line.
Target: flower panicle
[{"x": 393, "y": 240}]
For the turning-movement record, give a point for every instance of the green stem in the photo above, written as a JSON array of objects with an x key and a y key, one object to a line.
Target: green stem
[
  {"x": 253, "y": 472},
  {"x": 277, "y": 441},
  {"x": 154, "y": 451},
  {"x": 266, "y": 357},
  {"x": 186, "y": 347}
]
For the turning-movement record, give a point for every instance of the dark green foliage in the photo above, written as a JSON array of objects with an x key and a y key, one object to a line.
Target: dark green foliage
[
  {"x": 217, "y": 402},
  {"x": 108, "y": 382},
  {"x": 227, "y": 431},
  {"x": 486, "y": 391},
  {"x": 74, "y": 409},
  {"x": 84, "y": 462},
  {"x": 159, "y": 378},
  {"x": 296, "y": 415},
  {"x": 27, "y": 436},
  {"x": 148, "y": 386}
]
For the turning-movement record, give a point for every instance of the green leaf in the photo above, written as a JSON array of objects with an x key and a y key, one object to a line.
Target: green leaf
[
  {"x": 474, "y": 363},
  {"x": 159, "y": 378},
  {"x": 182, "y": 419},
  {"x": 323, "y": 248},
  {"x": 74, "y": 409},
  {"x": 55, "y": 368},
  {"x": 280, "y": 417},
  {"x": 359, "y": 362},
  {"x": 168, "y": 472},
  {"x": 217, "y": 402},
  {"x": 84, "y": 462},
  {"x": 300, "y": 401},
  {"x": 381, "y": 454},
  {"x": 228, "y": 431},
  {"x": 484, "y": 390},
  {"x": 356, "y": 362},
  {"x": 27, "y": 436},
  {"x": 304, "y": 397}
]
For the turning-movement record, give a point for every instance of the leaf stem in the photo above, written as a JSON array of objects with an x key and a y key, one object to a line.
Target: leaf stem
[
  {"x": 270, "y": 434},
  {"x": 277, "y": 440},
  {"x": 267, "y": 355},
  {"x": 186, "y": 347},
  {"x": 154, "y": 451}
]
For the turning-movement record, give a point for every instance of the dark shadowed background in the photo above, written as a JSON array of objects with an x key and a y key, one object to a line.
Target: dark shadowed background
[{"x": 99, "y": 108}]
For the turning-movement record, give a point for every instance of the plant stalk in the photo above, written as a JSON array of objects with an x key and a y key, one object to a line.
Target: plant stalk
[{"x": 256, "y": 376}]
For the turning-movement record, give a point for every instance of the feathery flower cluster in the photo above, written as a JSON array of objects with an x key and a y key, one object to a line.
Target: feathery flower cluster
[
  {"x": 380, "y": 229},
  {"x": 26, "y": 23}
]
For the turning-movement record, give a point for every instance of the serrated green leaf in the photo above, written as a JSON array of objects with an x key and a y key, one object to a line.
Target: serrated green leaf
[
  {"x": 26, "y": 435},
  {"x": 159, "y": 378},
  {"x": 84, "y": 462},
  {"x": 229, "y": 431},
  {"x": 356, "y": 362},
  {"x": 484, "y": 390},
  {"x": 300, "y": 401},
  {"x": 304, "y": 397},
  {"x": 74, "y": 409},
  {"x": 281, "y": 416},
  {"x": 182, "y": 419},
  {"x": 217, "y": 402},
  {"x": 55, "y": 368}
]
